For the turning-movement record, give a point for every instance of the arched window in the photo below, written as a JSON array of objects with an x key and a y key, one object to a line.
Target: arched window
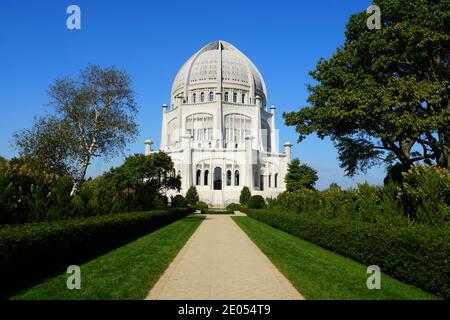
[
  {"x": 270, "y": 181},
  {"x": 266, "y": 135},
  {"x": 217, "y": 178},
  {"x": 200, "y": 126},
  {"x": 229, "y": 178},
  {"x": 202, "y": 97},
  {"x": 226, "y": 96},
  {"x": 172, "y": 132},
  {"x": 211, "y": 96},
  {"x": 198, "y": 177},
  {"x": 237, "y": 127},
  {"x": 235, "y": 97},
  {"x": 206, "y": 175},
  {"x": 194, "y": 98},
  {"x": 236, "y": 178},
  {"x": 276, "y": 180},
  {"x": 243, "y": 98}
]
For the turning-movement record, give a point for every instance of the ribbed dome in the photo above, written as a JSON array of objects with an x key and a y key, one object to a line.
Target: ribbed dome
[{"x": 216, "y": 61}]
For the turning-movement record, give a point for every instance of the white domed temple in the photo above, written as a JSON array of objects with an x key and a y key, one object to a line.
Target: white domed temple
[{"x": 218, "y": 129}]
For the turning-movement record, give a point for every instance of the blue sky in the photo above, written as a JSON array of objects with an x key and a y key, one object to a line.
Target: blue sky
[{"x": 152, "y": 39}]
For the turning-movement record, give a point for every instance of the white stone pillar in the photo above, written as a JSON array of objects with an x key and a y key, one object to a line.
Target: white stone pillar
[
  {"x": 287, "y": 151},
  {"x": 164, "y": 128},
  {"x": 181, "y": 123},
  {"x": 187, "y": 163},
  {"x": 148, "y": 147},
  {"x": 218, "y": 122},
  {"x": 258, "y": 123},
  {"x": 248, "y": 178},
  {"x": 273, "y": 135}
]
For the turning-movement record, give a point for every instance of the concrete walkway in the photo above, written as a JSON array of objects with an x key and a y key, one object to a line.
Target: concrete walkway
[{"x": 220, "y": 262}]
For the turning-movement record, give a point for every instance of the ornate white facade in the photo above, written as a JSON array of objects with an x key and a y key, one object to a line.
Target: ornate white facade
[{"x": 218, "y": 130}]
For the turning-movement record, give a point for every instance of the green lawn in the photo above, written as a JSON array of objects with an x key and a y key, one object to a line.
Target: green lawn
[
  {"x": 318, "y": 273},
  {"x": 128, "y": 272}
]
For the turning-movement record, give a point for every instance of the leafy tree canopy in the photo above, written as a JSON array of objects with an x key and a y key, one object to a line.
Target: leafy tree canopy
[
  {"x": 139, "y": 184},
  {"x": 93, "y": 117},
  {"x": 385, "y": 94},
  {"x": 154, "y": 171}
]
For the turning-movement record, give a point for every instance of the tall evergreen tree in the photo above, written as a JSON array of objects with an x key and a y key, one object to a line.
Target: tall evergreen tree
[
  {"x": 192, "y": 196},
  {"x": 300, "y": 176},
  {"x": 245, "y": 196}
]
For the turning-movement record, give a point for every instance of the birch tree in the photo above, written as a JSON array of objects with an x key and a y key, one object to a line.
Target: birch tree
[{"x": 94, "y": 116}]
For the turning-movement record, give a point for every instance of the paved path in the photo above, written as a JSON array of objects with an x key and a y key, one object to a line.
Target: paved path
[{"x": 220, "y": 262}]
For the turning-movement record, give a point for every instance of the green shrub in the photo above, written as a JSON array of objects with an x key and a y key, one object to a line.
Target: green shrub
[
  {"x": 234, "y": 207},
  {"x": 160, "y": 202},
  {"x": 218, "y": 212},
  {"x": 245, "y": 196},
  {"x": 29, "y": 252},
  {"x": 256, "y": 202},
  {"x": 425, "y": 193},
  {"x": 201, "y": 206},
  {"x": 419, "y": 255},
  {"x": 178, "y": 202},
  {"x": 423, "y": 198},
  {"x": 192, "y": 196},
  {"x": 28, "y": 194}
]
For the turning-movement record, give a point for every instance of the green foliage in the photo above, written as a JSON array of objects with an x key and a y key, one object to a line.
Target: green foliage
[
  {"x": 27, "y": 195},
  {"x": 425, "y": 194},
  {"x": 245, "y": 196},
  {"x": 384, "y": 94},
  {"x": 94, "y": 115},
  {"x": 300, "y": 176},
  {"x": 422, "y": 199},
  {"x": 312, "y": 269},
  {"x": 403, "y": 228},
  {"x": 178, "y": 202},
  {"x": 394, "y": 174},
  {"x": 160, "y": 202},
  {"x": 192, "y": 196},
  {"x": 100, "y": 274},
  {"x": 51, "y": 246},
  {"x": 218, "y": 212},
  {"x": 416, "y": 255},
  {"x": 137, "y": 184},
  {"x": 31, "y": 195},
  {"x": 256, "y": 202},
  {"x": 202, "y": 206},
  {"x": 234, "y": 207}
]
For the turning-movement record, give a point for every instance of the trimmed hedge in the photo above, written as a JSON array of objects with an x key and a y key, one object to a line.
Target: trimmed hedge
[
  {"x": 30, "y": 252},
  {"x": 417, "y": 255},
  {"x": 218, "y": 212}
]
